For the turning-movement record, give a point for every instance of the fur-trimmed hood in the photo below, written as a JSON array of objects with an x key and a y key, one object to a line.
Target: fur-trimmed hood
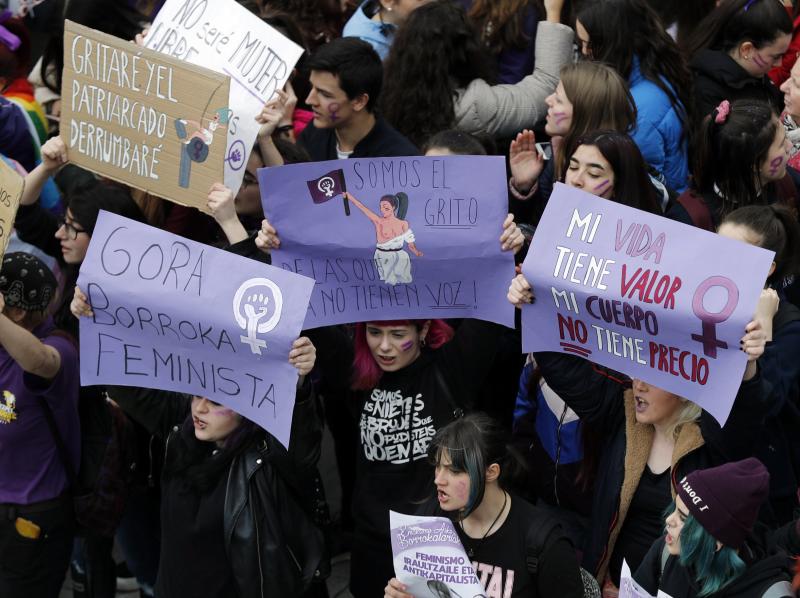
[{"x": 638, "y": 442}]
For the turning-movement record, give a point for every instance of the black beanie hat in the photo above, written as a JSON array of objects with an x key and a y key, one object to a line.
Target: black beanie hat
[
  {"x": 725, "y": 499},
  {"x": 26, "y": 282}
]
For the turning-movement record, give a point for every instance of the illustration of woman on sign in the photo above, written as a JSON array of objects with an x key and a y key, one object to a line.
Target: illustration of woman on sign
[
  {"x": 391, "y": 232},
  {"x": 206, "y": 135}
]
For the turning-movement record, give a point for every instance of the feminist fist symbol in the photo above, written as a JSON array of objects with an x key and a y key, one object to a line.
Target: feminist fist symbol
[
  {"x": 326, "y": 185},
  {"x": 256, "y": 307}
]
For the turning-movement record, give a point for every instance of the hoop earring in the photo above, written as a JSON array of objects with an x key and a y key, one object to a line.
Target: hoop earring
[{"x": 422, "y": 342}]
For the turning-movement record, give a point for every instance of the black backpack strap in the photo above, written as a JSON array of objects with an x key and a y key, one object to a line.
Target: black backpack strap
[
  {"x": 72, "y": 477},
  {"x": 536, "y": 541},
  {"x": 458, "y": 411}
]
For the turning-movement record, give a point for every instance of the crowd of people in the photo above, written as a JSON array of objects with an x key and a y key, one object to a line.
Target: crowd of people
[{"x": 555, "y": 470}]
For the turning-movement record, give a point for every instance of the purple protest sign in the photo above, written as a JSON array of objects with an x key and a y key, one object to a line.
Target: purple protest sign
[
  {"x": 417, "y": 238},
  {"x": 174, "y": 314},
  {"x": 626, "y": 289},
  {"x": 429, "y": 558}
]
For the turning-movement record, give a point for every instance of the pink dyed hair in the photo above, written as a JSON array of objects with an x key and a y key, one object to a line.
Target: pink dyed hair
[{"x": 366, "y": 371}]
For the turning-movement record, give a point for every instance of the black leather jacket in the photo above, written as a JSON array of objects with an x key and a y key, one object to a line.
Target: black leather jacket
[{"x": 267, "y": 556}]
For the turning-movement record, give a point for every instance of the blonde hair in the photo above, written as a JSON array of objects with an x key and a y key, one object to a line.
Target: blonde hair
[{"x": 689, "y": 413}]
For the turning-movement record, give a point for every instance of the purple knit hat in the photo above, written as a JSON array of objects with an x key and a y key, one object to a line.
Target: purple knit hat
[{"x": 725, "y": 499}]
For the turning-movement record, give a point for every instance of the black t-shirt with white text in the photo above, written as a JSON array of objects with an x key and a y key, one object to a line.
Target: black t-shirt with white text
[{"x": 500, "y": 560}]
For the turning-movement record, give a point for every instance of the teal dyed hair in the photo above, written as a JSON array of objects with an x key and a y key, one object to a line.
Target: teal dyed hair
[
  {"x": 473, "y": 443},
  {"x": 224, "y": 115},
  {"x": 714, "y": 569}
]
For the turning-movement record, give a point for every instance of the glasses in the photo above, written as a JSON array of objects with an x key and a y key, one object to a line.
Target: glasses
[{"x": 70, "y": 229}]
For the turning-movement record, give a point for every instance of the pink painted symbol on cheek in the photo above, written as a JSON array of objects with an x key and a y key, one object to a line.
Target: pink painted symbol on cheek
[
  {"x": 760, "y": 62},
  {"x": 775, "y": 165},
  {"x": 602, "y": 186},
  {"x": 407, "y": 345},
  {"x": 333, "y": 112},
  {"x": 461, "y": 491},
  {"x": 560, "y": 117}
]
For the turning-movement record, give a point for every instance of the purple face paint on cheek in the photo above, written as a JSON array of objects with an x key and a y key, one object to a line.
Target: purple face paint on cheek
[
  {"x": 333, "y": 112},
  {"x": 221, "y": 411},
  {"x": 560, "y": 117},
  {"x": 759, "y": 62},
  {"x": 602, "y": 186},
  {"x": 407, "y": 345},
  {"x": 461, "y": 490},
  {"x": 775, "y": 165}
]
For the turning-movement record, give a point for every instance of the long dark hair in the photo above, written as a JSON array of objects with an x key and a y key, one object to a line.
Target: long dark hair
[
  {"x": 435, "y": 52},
  {"x": 729, "y": 154},
  {"x": 777, "y": 230},
  {"x": 473, "y": 443},
  {"x": 200, "y": 464},
  {"x": 85, "y": 203},
  {"x": 320, "y": 21},
  {"x": 737, "y": 21},
  {"x": 501, "y": 22},
  {"x": 623, "y": 30},
  {"x": 632, "y": 185}
]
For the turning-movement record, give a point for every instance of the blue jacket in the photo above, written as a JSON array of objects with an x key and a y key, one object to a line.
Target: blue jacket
[
  {"x": 659, "y": 130},
  {"x": 375, "y": 34},
  {"x": 549, "y": 434}
]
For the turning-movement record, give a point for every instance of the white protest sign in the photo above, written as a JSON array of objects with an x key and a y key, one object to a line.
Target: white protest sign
[
  {"x": 429, "y": 558},
  {"x": 227, "y": 38},
  {"x": 628, "y": 588}
]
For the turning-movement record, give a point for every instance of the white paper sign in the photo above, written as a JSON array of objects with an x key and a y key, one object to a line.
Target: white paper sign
[
  {"x": 629, "y": 588},
  {"x": 430, "y": 560},
  {"x": 226, "y": 37}
]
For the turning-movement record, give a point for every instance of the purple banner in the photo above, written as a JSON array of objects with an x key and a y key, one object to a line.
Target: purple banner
[
  {"x": 644, "y": 295},
  {"x": 405, "y": 238},
  {"x": 178, "y": 315}
]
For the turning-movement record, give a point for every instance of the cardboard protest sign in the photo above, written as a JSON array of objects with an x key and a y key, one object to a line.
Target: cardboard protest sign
[
  {"x": 626, "y": 289},
  {"x": 228, "y": 38},
  {"x": 11, "y": 187},
  {"x": 394, "y": 238},
  {"x": 429, "y": 558},
  {"x": 140, "y": 117},
  {"x": 178, "y": 315}
]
